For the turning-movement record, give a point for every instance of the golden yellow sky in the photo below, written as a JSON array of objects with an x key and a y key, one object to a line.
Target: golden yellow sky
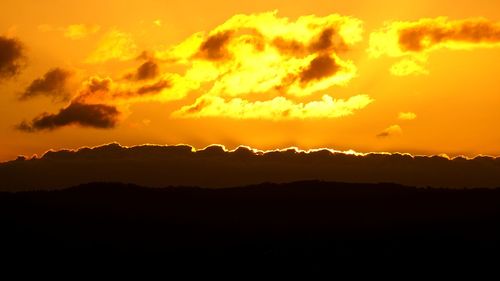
[{"x": 407, "y": 76}]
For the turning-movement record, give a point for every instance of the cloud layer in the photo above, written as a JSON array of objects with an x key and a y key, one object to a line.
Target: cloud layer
[
  {"x": 258, "y": 66},
  {"x": 250, "y": 58},
  {"x": 160, "y": 166},
  {"x": 278, "y": 108}
]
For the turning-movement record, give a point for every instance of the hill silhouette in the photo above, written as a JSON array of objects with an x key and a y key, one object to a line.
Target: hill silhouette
[
  {"x": 159, "y": 166},
  {"x": 301, "y": 225}
]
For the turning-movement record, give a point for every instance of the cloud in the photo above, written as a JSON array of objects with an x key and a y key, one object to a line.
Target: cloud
[
  {"x": 415, "y": 40},
  {"x": 329, "y": 40},
  {"x": 278, "y": 108},
  {"x": 105, "y": 90},
  {"x": 12, "y": 57},
  {"x": 146, "y": 71},
  {"x": 73, "y": 31},
  {"x": 319, "y": 68},
  {"x": 214, "y": 47},
  {"x": 95, "y": 90},
  {"x": 158, "y": 22},
  {"x": 263, "y": 54},
  {"x": 236, "y": 67},
  {"x": 80, "y": 31},
  {"x": 440, "y": 32},
  {"x": 96, "y": 104},
  {"x": 407, "y": 116},
  {"x": 154, "y": 88},
  {"x": 391, "y": 131},
  {"x": 218, "y": 167},
  {"x": 239, "y": 59},
  {"x": 115, "y": 45},
  {"x": 407, "y": 67},
  {"x": 52, "y": 84},
  {"x": 85, "y": 115}
]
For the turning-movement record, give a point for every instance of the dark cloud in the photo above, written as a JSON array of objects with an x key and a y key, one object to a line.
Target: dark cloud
[
  {"x": 423, "y": 36},
  {"x": 321, "y": 67},
  {"x": 95, "y": 87},
  {"x": 52, "y": 84},
  {"x": 98, "y": 84},
  {"x": 146, "y": 71},
  {"x": 198, "y": 105},
  {"x": 160, "y": 166},
  {"x": 328, "y": 40},
  {"x": 154, "y": 88},
  {"x": 11, "y": 57},
  {"x": 85, "y": 115},
  {"x": 214, "y": 47},
  {"x": 289, "y": 47},
  {"x": 391, "y": 131},
  {"x": 384, "y": 134}
]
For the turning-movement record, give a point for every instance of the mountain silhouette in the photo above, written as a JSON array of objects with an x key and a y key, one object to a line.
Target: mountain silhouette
[{"x": 296, "y": 226}]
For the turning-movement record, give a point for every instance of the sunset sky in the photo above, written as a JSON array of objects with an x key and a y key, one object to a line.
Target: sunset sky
[{"x": 418, "y": 77}]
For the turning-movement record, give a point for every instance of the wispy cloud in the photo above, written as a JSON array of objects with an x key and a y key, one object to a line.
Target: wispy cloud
[
  {"x": 407, "y": 116},
  {"x": 115, "y": 45},
  {"x": 80, "y": 31},
  {"x": 391, "y": 131}
]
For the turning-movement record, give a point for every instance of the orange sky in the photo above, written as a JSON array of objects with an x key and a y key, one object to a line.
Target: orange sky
[{"x": 407, "y": 76}]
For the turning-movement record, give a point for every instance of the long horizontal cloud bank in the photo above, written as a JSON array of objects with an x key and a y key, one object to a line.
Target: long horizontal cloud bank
[
  {"x": 160, "y": 166},
  {"x": 413, "y": 41}
]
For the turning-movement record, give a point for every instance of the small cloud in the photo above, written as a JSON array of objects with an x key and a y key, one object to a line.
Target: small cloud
[
  {"x": 391, "y": 131},
  {"x": 154, "y": 88},
  {"x": 408, "y": 67},
  {"x": 321, "y": 67},
  {"x": 157, "y": 23},
  {"x": 86, "y": 115},
  {"x": 329, "y": 40},
  {"x": 80, "y": 31},
  {"x": 407, "y": 116},
  {"x": 12, "y": 57},
  {"x": 146, "y": 71},
  {"x": 52, "y": 84},
  {"x": 214, "y": 47},
  {"x": 115, "y": 45}
]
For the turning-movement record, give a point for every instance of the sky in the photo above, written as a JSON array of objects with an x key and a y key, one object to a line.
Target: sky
[{"x": 416, "y": 77}]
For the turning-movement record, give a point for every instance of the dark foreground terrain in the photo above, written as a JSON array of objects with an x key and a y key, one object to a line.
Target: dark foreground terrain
[{"x": 297, "y": 226}]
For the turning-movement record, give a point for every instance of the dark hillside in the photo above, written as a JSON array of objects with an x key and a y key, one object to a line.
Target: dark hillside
[{"x": 306, "y": 224}]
